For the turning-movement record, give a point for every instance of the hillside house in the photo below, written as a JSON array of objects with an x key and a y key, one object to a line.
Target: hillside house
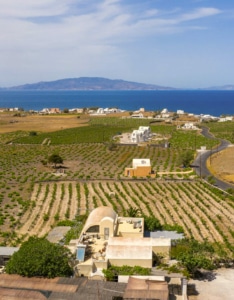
[
  {"x": 140, "y": 168},
  {"x": 109, "y": 239}
]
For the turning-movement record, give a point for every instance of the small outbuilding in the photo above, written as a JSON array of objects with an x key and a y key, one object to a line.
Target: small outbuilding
[
  {"x": 140, "y": 168},
  {"x": 146, "y": 289},
  {"x": 6, "y": 253}
]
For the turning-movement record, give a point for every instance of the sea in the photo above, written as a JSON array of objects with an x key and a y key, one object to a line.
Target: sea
[{"x": 215, "y": 103}]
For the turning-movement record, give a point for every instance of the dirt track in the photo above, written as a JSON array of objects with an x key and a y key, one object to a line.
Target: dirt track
[{"x": 220, "y": 288}]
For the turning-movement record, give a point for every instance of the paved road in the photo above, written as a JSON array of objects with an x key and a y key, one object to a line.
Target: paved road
[{"x": 199, "y": 164}]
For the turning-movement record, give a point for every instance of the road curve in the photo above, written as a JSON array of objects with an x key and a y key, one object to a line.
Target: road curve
[{"x": 199, "y": 164}]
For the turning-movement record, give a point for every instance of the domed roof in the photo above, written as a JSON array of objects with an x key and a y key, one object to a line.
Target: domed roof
[{"x": 98, "y": 214}]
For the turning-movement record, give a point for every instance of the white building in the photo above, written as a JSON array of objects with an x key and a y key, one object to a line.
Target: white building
[
  {"x": 189, "y": 126},
  {"x": 141, "y": 135},
  {"x": 225, "y": 119},
  {"x": 137, "y": 116},
  {"x": 180, "y": 112}
]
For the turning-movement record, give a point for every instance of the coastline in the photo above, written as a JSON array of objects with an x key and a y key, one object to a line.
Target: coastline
[{"x": 214, "y": 103}]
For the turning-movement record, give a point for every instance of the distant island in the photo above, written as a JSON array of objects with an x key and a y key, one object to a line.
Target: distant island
[
  {"x": 102, "y": 84},
  {"x": 228, "y": 87},
  {"x": 89, "y": 84}
]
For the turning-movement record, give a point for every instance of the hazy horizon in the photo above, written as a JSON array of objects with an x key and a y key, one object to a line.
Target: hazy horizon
[{"x": 186, "y": 45}]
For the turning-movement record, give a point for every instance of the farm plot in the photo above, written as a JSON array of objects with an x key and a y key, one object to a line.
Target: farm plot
[
  {"x": 22, "y": 166},
  {"x": 223, "y": 130},
  {"x": 209, "y": 216}
]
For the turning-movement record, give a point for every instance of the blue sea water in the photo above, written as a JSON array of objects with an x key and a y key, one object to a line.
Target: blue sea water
[{"x": 193, "y": 101}]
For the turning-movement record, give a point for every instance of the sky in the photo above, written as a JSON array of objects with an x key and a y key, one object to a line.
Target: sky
[{"x": 176, "y": 43}]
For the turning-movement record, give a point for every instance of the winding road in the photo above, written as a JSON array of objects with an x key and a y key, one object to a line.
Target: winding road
[{"x": 199, "y": 164}]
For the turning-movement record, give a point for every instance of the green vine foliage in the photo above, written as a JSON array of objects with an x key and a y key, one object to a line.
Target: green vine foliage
[{"x": 113, "y": 271}]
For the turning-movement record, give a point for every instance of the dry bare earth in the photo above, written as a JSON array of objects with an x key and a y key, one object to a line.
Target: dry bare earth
[
  {"x": 171, "y": 203},
  {"x": 222, "y": 164},
  {"x": 42, "y": 123}
]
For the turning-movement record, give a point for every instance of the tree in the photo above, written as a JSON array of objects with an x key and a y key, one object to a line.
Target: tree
[
  {"x": 133, "y": 212},
  {"x": 194, "y": 255},
  {"x": 32, "y": 133},
  {"x": 186, "y": 158},
  {"x": 55, "y": 159},
  {"x": 39, "y": 257},
  {"x": 152, "y": 223}
]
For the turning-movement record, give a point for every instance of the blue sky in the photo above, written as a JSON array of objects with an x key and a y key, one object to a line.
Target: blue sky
[{"x": 183, "y": 43}]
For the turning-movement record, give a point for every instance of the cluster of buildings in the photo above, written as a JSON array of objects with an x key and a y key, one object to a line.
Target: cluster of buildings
[
  {"x": 105, "y": 111},
  {"x": 108, "y": 239}
]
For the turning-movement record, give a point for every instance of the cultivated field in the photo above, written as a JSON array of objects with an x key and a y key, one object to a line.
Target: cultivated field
[
  {"x": 222, "y": 165},
  {"x": 35, "y": 196},
  {"x": 203, "y": 213}
]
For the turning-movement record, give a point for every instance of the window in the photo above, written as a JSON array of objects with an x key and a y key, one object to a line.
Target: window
[{"x": 94, "y": 228}]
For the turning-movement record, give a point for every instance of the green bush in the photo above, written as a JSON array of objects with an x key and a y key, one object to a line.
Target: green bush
[{"x": 39, "y": 257}]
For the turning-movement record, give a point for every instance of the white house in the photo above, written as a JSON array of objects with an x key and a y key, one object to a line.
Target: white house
[
  {"x": 225, "y": 119},
  {"x": 100, "y": 111},
  {"x": 180, "y": 112},
  {"x": 141, "y": 135},
  {"x": 137, "y": 116},
  {"x": 189, "y": 126}
]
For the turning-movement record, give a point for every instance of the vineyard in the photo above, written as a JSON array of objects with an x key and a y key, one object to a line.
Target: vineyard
[
  {"x": 202, "y": 212},
  {"x": 35, "y": 196}
]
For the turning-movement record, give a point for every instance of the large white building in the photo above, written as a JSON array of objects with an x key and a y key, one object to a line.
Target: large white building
[{"x": 141, "y": 135}]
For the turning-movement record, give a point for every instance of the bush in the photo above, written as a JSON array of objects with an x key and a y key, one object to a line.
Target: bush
[
  {"x": 112, "y": 272},
  {"x": 39, "y": 257}
]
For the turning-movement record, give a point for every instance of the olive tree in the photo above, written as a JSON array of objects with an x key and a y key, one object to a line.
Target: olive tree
[
  {"x": 39, "y": 257},
  {"x": 185, "y": 158},
  {"x": 55, "y": 159}
]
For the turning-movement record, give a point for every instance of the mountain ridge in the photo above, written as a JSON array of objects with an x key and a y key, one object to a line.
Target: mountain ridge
[
  {"x": 101, "y": 83},
  {"x": 89, "y": 83}
]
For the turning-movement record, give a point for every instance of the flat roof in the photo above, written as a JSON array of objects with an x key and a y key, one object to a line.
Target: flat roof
[
  {"x": 133, "y": 225},
  {"x": 128, "y": 252},
  {"x": 166, "y": 234},
  {"x": 142, "y": 162},
  {"x": 8, "y": 251},
  {"x": 135, "y": 241}
]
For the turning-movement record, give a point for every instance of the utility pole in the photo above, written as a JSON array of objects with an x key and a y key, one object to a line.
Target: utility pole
[
  {"x": 200, "y": 166},
  {"x": 210, "y": 154}
]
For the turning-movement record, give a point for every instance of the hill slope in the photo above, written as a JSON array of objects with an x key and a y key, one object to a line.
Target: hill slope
[{"x": 89, "y": 83}]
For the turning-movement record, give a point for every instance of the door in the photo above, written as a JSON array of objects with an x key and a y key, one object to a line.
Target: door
[{"x": 106, "y": 233}]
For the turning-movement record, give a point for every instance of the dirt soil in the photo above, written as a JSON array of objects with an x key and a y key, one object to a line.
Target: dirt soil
[
  {"x": 221, "y": 164},
  {"x": 218, "y": 288},
  {"x": 42, "y": 123}
]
